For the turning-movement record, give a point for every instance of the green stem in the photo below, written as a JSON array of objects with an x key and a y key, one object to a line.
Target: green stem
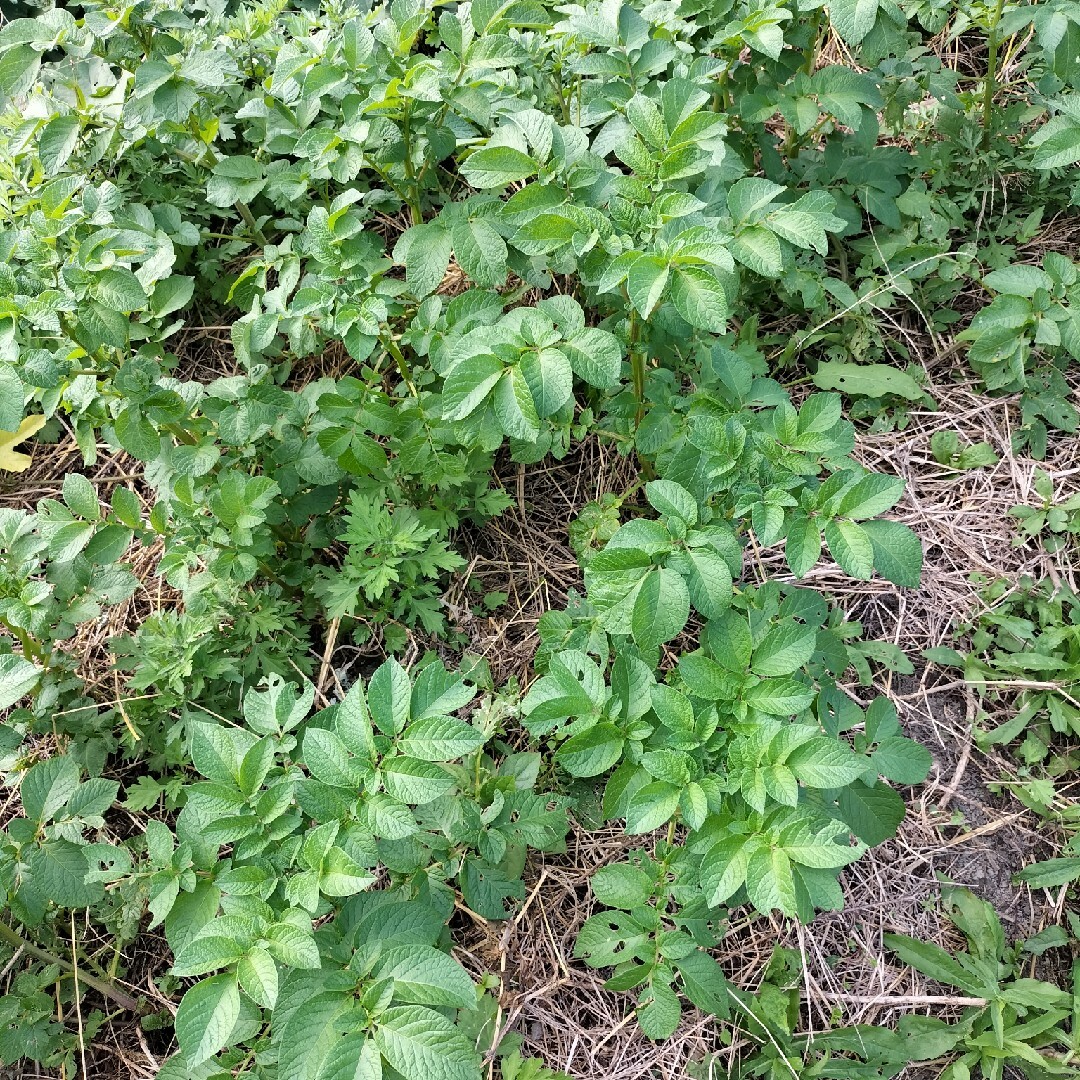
[
  {"x": 991, "y": 75},
  {"x": 637, "y": 366},
  {"x": 106, "y": 989},
  {"x": 179, "y": 434},
  {"x": 252, "y": 224},
  {"x": 402, "y": 363}
]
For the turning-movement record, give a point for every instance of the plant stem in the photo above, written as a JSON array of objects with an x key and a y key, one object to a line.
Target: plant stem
[
  {"x": 637, "y": 366},
  {"x": 991, "y": 74},
  {"x": 252, "y": 224},
  {"x": 106, "y": 989},
  {"x": 402, "y": 363}
]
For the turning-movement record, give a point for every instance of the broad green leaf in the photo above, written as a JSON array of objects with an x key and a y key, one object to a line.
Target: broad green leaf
[
  {"x": 748, "y": 198},
  {"x": 757, "y": 248},
  {"x": 661, "y": 608},
  {"x": 258, "y": 977},
  {"x": 699, "y": 298},
  {"x": 723, "y": 869},
  {"x": 425, "y": 976},
  {"x": 825, "y": 763},
  {"x": 902, "y": 760},
  {"x": 870, "y": 496},
  {"x": 873, "y": 813},
  {"x": 1060, "y": 147},
  {"x": 424, "y": 1045},
  {"x": 591, "y": 752},
  {"x": 869, "y": 380},
  {"x": 425, "y": 251},
  {"x": 770, "y": 882},
  {"x": 672, "y": 500},
  {"x": 779, "y": 697},
  {"x": 18, "y": 677},
  {"x": 388, "y": 697},
  {"x": 595, "y": 356},
  {"x": 354, "y": 1057},
  {"x": 497, "y": 167},
  {"x": 440, "y": 738},
  {"x": 514, "y": 406},
  {"x": 660, "y": 1015},
  {"x": 480, "y": 251},
  {"x": 849, "y": 544},
  {"x": 621, "y": 885},
  {"x": 60, "y": 870},
  {"x": 705, "y": 678},
  {"x": 784, "y": 649},
  {"x": 802, "y": 548},
  {"x": 897, "y": 552},
  {"x": 47, "y": 786},
  {"x": 646, "y": 283},
  {"x": 853, "y": 19},
  {"x": 57, "y": 140},
  {"x": 414, "y": 781},
  {"x": 206, "y": 1017},
  {"x": 651, "y": 807}
]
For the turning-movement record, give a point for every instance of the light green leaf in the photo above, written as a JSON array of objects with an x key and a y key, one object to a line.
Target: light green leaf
[
  {"x": 389, "y": 696},
  {"x": 825, "y": 763},
  {"x": 258, "y": 976},
  {"x": 591, "y": 752},
  {"x": 622, "y": 885},
  {"x": 595, "y": 356},
  {"x": 206, "y": 1017},
  {"x": 496, "y": 167},
  {"x": 870, "y": 496},
  {"x": 853, "y": 19},
  {"x": 660, "y": 1015},
  {"x": 699, "y": 298},
  {"x": 425, "y": 976},
  {"x": 440, "y": 738},
  {"x": 423, "y": 1045},
  {"x": 757, "y": 248},
  {"x": 414, "y": 781},
  {"x": 802, "y": 548},
  {"x": 723, "y": 869},
  {"x": 661, "y": 608},
  {"x": 646, "y": 283},
  {"x": 425, "y": 251},
  {"x": 873, "y": 813},
  {"x": 784, "y": 649},
  {"x": 850, "y": 546},
  {"x": 651, "y": 807},
  {"x": 514, "y": 407},
  {"x": 47, "y": 786},
  {"x": 898, "y": 554},
  {"x": 868, "y": 380}
]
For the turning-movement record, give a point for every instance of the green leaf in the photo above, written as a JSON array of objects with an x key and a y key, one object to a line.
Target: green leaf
[
  {"x": 388, "y": 697},
  {"x": 651, "y": 807},
  {"x": 1060, "y": 147},
  {"x": 423, "y": 1045},
  {"x": 621, "y": 885},
  {"x": 425, "y": 251},
  {"x": 868, "y": 380},
  {"x": 770, "y": 882},
  {"x": 47, "y": 786},
  {"x": 784, "y": 649},
  {"x": 354, "y": 1057},
  {"x": 825, "y": 763},
  {"x": 873, "y": 813},
  {"x": 779, "y": 697},
  {"x": 595, "y": 356},
  {"x": 646, "y": 282},
  {"x": 206, "y": 1018},
  {"x": 59, "y": 868},
  {"x": 258, "y": 977},
  {"x": 870, "y": 496},
  {"x": 440, "y": 738},
  {"x": 119, "y": 289},
  {"x": 660, "y": 1016},
  {"x": 17, "y": 678},
  {"x": 850, "y": 546},
  {"x": 853, "y": 19},
  {"x": 514, "y": 406},
  {"x": 757, "y": 248},
  {"x": 425, "y": 976},
  {"x": 897, "y": 551},
  {"x": 672, "y": 500},
  {"x": 902, "y": 760},
  {"x": 723, "y": 869},
  {"x": 591, "y": 752},
  {"x": 414, "y": 781},
  {"x": 57, "y": 140},
  {"x": 934, "y": 962},
  {"x": 661, "y": 608},
  {"x": 699, "y": 298},
  {"x": 802, "y": 549},
  {"x": 496, "y": 167},
  {"x": 1050, "y": 873},
  {"x": 480, "y": 251}
]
